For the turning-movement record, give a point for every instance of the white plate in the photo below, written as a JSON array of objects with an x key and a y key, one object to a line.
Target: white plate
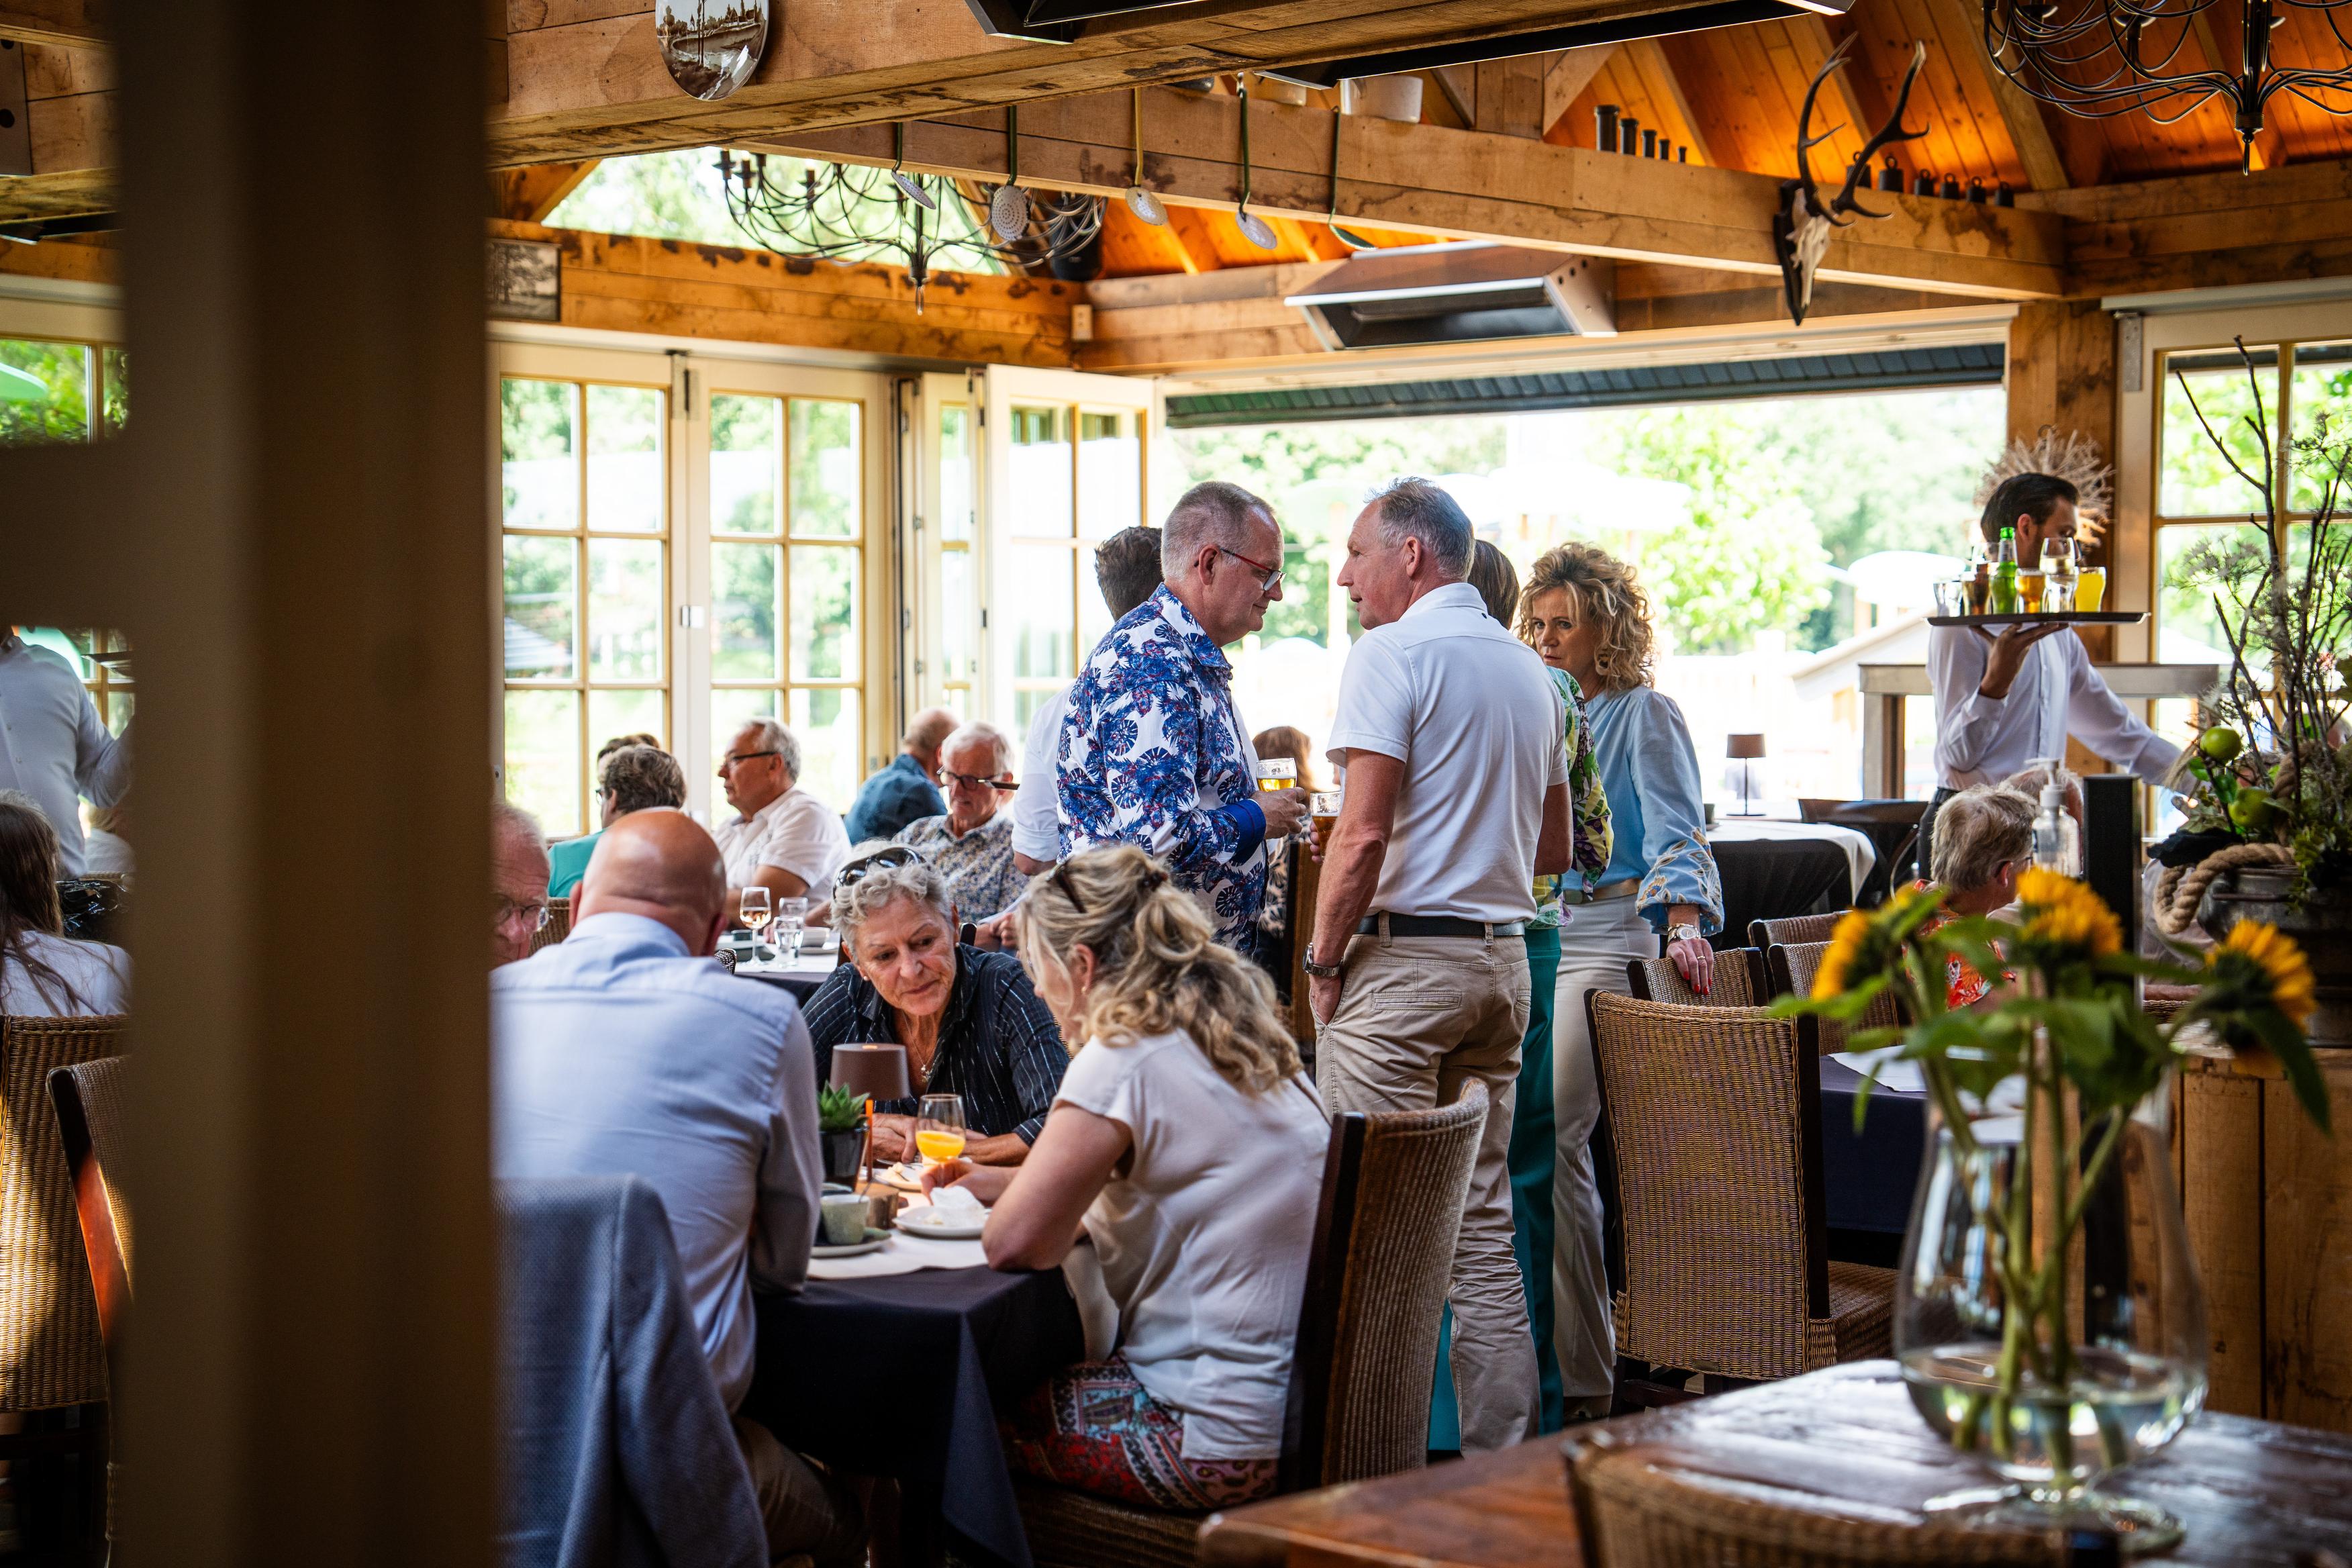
[
  {"x": 873, "y": 1243},
  {"x": 937, "y": 1232}
]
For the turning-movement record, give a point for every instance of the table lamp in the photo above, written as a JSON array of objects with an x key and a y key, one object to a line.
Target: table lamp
[
  {"x": 1745, "y": 749},
  {"x": 877, "y": 1072}
]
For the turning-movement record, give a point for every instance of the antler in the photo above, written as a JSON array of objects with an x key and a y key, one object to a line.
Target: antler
[{"x": 1836, "y": 208}]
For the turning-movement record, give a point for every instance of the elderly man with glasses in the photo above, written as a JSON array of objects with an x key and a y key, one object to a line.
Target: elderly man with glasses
[
  {"x": 518, "y": 865},
  {"x": 971, "y": 843},
  {"x": 782, "y": 838},
  {"x": 1153, "y": 752}
]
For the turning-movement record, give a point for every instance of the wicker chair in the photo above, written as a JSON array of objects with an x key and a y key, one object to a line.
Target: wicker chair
[
  {"x": 90, "y": 1100},
  {"x": 1637, "y": 1508},
  {"x": 1791, "y": 969},
  {"x": 1393, "y": 1187},
  {"x": 1765, "y": 935},
  {"x": 1738, "y": 981},
  {"x": 1714, "y": 1121},
  {"x": 558, "y": 926},
  {"x": 51, "y": 1356}
]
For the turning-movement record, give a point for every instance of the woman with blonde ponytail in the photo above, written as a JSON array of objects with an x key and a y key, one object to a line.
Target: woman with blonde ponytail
[{"x": 1186, "y": 1144}]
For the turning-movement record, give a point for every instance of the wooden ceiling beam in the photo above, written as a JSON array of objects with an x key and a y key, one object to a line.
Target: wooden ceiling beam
[
  {"x": 71, "y": 23},
  {"x": 2020, "y": 115},
  {"x": 529, "y": 194},
  {"x": 1565, "y": 79},
  {"x": 1657, "y": 68},
  {"x": 1510, "y": 95}
]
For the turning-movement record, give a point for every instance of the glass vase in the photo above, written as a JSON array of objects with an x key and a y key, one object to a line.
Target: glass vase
[{"x": 2052, "y": 1373}]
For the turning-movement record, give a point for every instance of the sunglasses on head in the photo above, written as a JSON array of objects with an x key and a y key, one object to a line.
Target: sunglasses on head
[{"x": 880, "y": 860}]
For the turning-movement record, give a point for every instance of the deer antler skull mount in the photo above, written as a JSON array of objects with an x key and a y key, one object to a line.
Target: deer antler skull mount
[{"x": 1801, "y": 229}]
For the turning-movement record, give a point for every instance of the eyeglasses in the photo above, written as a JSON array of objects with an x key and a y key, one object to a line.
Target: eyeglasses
[
  {"x": 880, "y": 860},
  {"x": 732, "y": 758},
  {"x": 975, "y": 781},
  {"x": 1272, "y": 578},
  {"x": 534, "y": 914}
]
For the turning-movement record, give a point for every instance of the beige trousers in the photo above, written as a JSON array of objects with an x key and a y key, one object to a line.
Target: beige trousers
[
  {"x": 805, "y": 1509},
  {"x": 1417, "y": 1016}
]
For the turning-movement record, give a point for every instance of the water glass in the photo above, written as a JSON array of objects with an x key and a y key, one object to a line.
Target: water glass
[
  {"x": 789, "y": 914},
  {"x": 1952, "y": 596}
]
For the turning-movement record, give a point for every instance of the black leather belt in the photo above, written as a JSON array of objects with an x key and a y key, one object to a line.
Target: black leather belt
[{"x": 1438, "y": 925}]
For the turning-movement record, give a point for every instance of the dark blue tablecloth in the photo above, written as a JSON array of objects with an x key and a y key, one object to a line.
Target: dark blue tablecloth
[
  {"x": 903, "y": 1376},
  {"x": 1869, "y": 1176}
]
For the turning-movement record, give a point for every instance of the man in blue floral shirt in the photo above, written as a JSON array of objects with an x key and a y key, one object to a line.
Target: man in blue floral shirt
[{"x": 1152, "y": 752}]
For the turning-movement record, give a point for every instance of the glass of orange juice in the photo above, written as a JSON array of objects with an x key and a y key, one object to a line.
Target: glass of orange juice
[
  {"x": 2090, "y": 588},
  {"x": 939, "y": 1128}
]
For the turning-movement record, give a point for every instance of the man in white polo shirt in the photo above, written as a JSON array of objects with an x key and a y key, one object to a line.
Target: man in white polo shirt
[
  {"x": 784, "y": 838},
  {"x": 1448, "y": 734}
]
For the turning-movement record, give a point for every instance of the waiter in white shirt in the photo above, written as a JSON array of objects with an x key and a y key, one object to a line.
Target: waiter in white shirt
[
  {"x": 2003, "y": 701},
  {"x": 52, "y": 745}
]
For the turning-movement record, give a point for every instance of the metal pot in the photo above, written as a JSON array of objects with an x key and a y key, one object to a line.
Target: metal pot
[{"x": 2322, "y": 928}]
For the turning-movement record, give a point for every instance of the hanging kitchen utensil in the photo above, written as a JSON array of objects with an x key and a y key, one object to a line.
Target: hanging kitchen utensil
[
  {"x": 1348, "y": 238},
  {"x": 1141, "y": 202},
  {"x": 905, "y": 181},
  {"x": 1008, "y": 209},
  {"x": 1254, "y": 229}
]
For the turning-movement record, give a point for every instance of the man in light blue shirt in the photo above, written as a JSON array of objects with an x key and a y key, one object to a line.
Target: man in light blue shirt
[
  {"x": 52, "y": 745},
  {"x": 624, "y": 1049}
]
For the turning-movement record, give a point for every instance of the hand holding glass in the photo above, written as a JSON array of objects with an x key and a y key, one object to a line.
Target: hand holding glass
[{"x": 939, "y": 1127}]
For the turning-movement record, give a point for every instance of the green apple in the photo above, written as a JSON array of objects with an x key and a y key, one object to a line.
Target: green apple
[
  {"x": 2253, "y": 811},
  {"x": 2221, "y": 743}
]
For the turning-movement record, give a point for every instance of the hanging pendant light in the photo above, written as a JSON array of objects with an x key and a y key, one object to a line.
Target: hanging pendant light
[
  {"x": 1008, "y": 209},
  {"x": 1254, "y": 229},
  {"x": 1141, "y": 202},
  {"x": 907, "y": 183},
  {"x": 1346, "y": 236}
]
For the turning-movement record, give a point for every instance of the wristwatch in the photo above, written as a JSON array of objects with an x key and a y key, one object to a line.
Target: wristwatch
[
  {"x": 1319, "y": 970},
  {"x": 1686, "y": 932}
]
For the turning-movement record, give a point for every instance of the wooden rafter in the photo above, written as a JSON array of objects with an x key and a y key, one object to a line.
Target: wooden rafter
[
  {"x": 528, "y": 195},
  {"x": 1658, "y": 69},
  {"x": 56, "y": 22},
  {"x": 2020, "y": 115},
  {"x": 1565, "y": 79}
]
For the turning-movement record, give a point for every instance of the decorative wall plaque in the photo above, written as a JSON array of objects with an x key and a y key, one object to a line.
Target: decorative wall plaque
[
  {"x": 525, "y": 281},
  {"x": 711, "y": 47}
]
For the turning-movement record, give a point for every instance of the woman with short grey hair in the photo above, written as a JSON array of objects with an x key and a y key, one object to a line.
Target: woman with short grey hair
[
  {"x": 1984, "y": 838},
  {"x": 970, "y": 1023}
]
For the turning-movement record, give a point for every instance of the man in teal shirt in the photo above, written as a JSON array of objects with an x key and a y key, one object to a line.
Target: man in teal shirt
[{"x": 631, "y": 774}]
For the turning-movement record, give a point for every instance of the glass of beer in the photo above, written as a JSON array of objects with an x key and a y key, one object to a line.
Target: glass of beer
[
  {"x": 1277, "y": 772},
  {"x": 1323, "y": 805},
  {"x": 2090, "y": 589},
  {"x": 2030, "y": 582},
  {"x": 939, "y": 1128}
]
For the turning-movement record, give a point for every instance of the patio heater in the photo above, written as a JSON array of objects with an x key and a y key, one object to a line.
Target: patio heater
[{"x": 1745, "y": 749}]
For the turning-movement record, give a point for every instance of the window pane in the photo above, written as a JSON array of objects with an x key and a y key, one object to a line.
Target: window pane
[
  {"x": 2322, "y": 402},
  {"x": 611, "y": 714},
  {"x": 1094, "y": 612},
  {"x": 824, "y": 469},
  {"x": 743, "y": 612},
  {"x": 540, "y": 589},
  {"x": 118, "y": 709},
  {"x": 957, "y": 506},
  {"x": 1041, "y": 472},
  {"x": 114, "y": 395},
  {"x": 2197, "y": 481},
  {"x": 728, "y": 712},
  {"x": 2187, "y": 631},
  {"x": 1111, "y": 474},
  {"x": 624, "y": 609},
  {"x": 1044, "y": 611},
  {"x": 625, "y": 459},
  {"x": 1025, "y": 703},
  {"x": 44, "y": 392},
  {"x": 824, "y": 613},
  {"x": 543, "y": 757},
  {"x": 539, "y": 466},
  {"x": 746, "y": 463},
  {"x": 826, "y": 723},
  {"x": 960, "y": 650}
]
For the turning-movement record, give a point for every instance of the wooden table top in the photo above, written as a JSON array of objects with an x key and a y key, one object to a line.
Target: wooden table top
[{"x": 2251, "y": 1493}]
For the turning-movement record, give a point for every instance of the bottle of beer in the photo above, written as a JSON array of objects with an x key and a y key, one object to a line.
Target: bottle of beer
[{"x": 2004, "y": 575}]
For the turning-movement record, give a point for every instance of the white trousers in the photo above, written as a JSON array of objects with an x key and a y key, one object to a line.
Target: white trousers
[{"x": 1596, "y": 942}]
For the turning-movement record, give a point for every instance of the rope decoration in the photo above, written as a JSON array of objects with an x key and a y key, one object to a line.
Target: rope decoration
[{"x": 2182, "y": 887}]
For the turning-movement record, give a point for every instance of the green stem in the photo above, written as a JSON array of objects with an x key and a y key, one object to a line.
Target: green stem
[{"x": 2062, "y": 1155}]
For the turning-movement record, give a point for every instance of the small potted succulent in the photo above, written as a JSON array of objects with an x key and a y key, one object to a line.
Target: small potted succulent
[{"x": 841, "y": 1131}]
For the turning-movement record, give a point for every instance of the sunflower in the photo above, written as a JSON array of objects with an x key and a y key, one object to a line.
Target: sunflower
[
  {"x": 2063, "y": 912},
  {"x": 2284, "y": 972},
  {"x": 1848, "y": 942}
]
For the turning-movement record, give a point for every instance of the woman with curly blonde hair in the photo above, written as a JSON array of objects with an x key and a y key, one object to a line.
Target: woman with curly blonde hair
[
  {"x": 1585, "y": 613},
  {"x": 1186, "y": 1144}
]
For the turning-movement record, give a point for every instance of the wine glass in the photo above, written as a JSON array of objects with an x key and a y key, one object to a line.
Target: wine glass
[
  {"x": 939, "y": 1128},
  {"x": 755, "y": 910},
  {"x": 791, "y": 914}
]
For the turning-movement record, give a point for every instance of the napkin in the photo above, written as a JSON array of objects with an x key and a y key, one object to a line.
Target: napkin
[{"x": 958, "y": 1204}]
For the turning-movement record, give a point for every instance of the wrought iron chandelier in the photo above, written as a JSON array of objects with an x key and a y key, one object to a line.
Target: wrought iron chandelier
[
  {"x": 2095, "y": 58},
  {"x": 923, "y": 221}
]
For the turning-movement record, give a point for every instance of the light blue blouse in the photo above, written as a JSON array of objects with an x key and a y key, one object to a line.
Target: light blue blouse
[{"x": 1649, "y": 770}]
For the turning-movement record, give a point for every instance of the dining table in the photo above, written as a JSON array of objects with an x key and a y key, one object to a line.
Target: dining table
[
  {"x": 1772, "y": 870},
  {"x": 801, "y": 975},
  {"x": 1869, "y": 1173}
]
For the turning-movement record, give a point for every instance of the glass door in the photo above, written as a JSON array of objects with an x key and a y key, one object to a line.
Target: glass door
[{"x": 943, "y": 647}]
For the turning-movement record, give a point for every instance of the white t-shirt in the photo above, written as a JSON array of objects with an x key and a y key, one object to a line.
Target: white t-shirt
[
  {"x": 1203, "y": 1242},
  {"x": 795, "y": 832},
  {"x": 100, "y": 975},
  {"x": 1036, "y": 831},
  {"x": 1466, "y": 707}
]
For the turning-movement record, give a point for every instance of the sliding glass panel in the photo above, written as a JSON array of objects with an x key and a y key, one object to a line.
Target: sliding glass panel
[
  {"x": 958, "y": 480},
  {"x": 826, "y": 720},
  {"x": 1040, "y": 481},
  {"x": 1040, "y": 612},
  {"x": 1111, "y": 473},
  {"x": 744, "y": 611},
  {"x": 611, "y": 714}
]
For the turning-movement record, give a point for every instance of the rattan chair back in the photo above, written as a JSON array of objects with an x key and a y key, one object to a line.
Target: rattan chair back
[
  {"x": 1765, "y": 935},
  {"x": 1637, "y": 1508},
  {"x": 1737, "y": 981},
  {"x": 90, "y": 1098},
  {"x": 1792, "y": 968},
  {"x": 1714, "y": 1117},
  {"x": 50, "y": 1351},
  {"x": 558, "y": 926}
]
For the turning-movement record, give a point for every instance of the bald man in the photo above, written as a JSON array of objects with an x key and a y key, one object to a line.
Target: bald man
[
  {"x": 624, "y": 1049},
  {"x": 909, "y": 789}
]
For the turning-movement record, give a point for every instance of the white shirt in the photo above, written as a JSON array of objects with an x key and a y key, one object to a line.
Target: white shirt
[
  {"x": 1203, "y": 1242},
  {"x": 614, "y": 1053},
  {"x": 1466, "y": 707},
  {"x": 52, "y": 745},
  {"x": 1036, "y": 829},
  {"x": 795, "y": 832},
  {"x": 2057, "y": 693},
  {"x": 99, "y": 975},
  {"x": 107, "y": 854}
]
